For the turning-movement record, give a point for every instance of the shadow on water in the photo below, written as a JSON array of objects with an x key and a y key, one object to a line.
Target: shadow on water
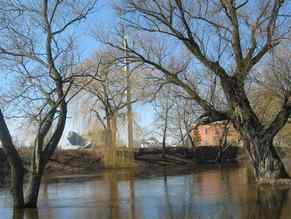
[{"x": 208, "y": 193}]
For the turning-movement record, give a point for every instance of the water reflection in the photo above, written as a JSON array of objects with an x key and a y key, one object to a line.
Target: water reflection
[
  {"x": 210, "y": 193},
  {"x": 270, "y": 203},
  {"x": 25, "y": 214}
]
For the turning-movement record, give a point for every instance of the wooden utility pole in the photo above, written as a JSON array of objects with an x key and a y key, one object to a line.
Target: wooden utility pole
[{"x": 128, "y": 97}]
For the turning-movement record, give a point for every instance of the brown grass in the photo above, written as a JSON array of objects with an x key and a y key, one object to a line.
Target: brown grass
[
  {"x": 116, "y": 157},
  {"x": 110, "y": 157}
]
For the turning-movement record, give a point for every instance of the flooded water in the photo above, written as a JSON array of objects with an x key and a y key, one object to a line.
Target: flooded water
[{"x": 205, "y": 193}]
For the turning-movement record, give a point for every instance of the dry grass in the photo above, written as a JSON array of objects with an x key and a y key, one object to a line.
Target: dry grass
[
  {"x": 110, "y": 157},
  {"x": 117, "y": 157},
  {"x": 92, "y": 153}
]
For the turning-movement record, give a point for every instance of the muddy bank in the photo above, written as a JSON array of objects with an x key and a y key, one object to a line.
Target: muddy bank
[
  {"x": 63, "y": 162},
  {"x": 74, "y": 161}
]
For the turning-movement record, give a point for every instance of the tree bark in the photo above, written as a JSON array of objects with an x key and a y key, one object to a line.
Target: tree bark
[
  {"x": 111, "y": 130},
  {"x": 111, "y": 140},
  {"x": 15, "y": 163},
  {"x": 16, "y": 187},
  {"x": 265, "y": 160},
  {"x": 258, "y": 140},
  {"x": 32, "y": 190}
]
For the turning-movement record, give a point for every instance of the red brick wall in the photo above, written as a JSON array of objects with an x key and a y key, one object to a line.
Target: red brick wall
[{"x": 212, "y": 133}]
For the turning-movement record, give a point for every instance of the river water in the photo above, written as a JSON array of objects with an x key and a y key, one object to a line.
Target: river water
[{"x": 209, "y": 192}]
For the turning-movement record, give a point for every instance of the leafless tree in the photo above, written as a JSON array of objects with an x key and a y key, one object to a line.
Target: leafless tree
[
  {"x": 38, "y": 49},
  {"x": 107, "y": 93},
  {"x": 268, "y": 91},
  {"x": 227, "y": 38},
  {"x": 184, "y": 118},
  {"x": 163, "y": 107}
]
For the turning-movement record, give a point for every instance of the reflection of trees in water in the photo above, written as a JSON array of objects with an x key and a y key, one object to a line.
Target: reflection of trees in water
[
  {"x": 45, "y": 188},
  {"x": 232, "y": 196},
  {"x": 18, "y": 214},
  {"x": 111, "y": 178},
  {"x": 187, "y": 201},
  {"x": 227, "y": 199},
  {"x": 132, "y": 212},
  {"x": 269, "y": 203},
  {"x": 181, "y": 206},
  {"x": 169, "y": 209},
  {"x": 113, "y": 181},
  {"x": 28, "y": 214},
  {"x": 131, "y": 194}
]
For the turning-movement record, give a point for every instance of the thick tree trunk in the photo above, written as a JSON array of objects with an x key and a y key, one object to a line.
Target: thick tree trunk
[
  {"x": 17, "y": 179},
  {"x": 40, "y": 158},
  {"x": 111, "y": 140},
  {"x": 15, "y": 163},
  {"x": 265, "y": 160},
  {"x": 258, "y": 139},
  {"x": 111, "y": 130},
  {"x": 32, "y": 189},
  {"x": 31, "y": 194}
]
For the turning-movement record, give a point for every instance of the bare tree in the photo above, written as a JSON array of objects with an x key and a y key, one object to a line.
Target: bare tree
[
  {"x": 184, "y": 118},
  {"x": 108, "y": 95},
  {"x": 163, "y": 105},
  {"x": 227, "y": 38},
  {"x": 268, "y": 91},
  {"x": 37, "y": 47}
]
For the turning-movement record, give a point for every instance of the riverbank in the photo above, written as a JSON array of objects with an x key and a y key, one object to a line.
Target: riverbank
[
  {"x": 148, "y": 162},
  {"x": 63, "y": 162},
  {"x": 89, "y": 162}
]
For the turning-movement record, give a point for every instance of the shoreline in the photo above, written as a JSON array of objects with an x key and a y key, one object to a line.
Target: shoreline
[{"x": 73, "y": 163}]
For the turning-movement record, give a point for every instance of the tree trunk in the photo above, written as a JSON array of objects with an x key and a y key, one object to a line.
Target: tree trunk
[
  {"x": 165, "y": 134},
  {"x": 258, "y": 140},
  {"x": 41, "y": 156},
  {"x": 265, "y": 160},
  {"x": 32, "y": 190},
  {"x": 17, "y": 179},
  {"x": 164, "y": 142},
  {"x": 114, "y": 129},
  {"x": 111, "y": 130},
  {"x": 111, "y": 140},
  {"x": 15, "y": 163}
]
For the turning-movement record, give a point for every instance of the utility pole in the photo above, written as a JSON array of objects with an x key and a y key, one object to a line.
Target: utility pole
[{"x": 128, "y": 96}]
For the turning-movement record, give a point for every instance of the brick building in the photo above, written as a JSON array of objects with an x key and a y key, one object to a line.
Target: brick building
[{"x": 212, "y": 134}]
